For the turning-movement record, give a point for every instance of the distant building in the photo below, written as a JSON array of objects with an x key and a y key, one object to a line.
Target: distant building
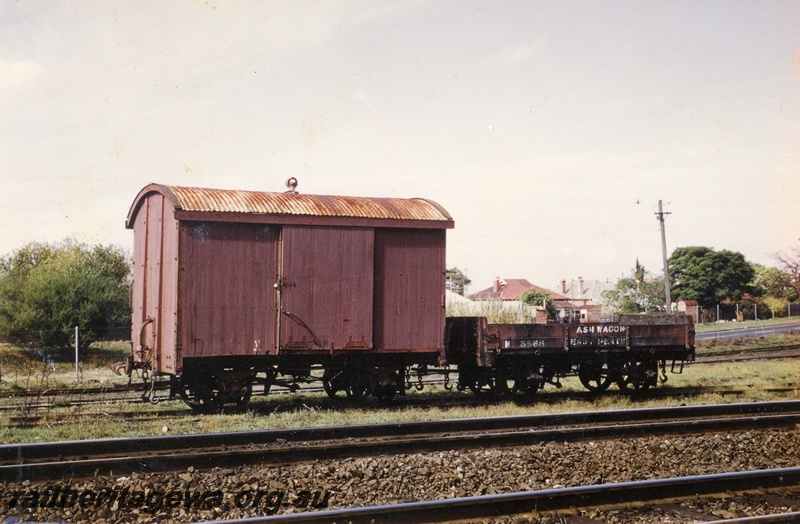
[
  {"x": 578, "y": 300},
  {"x": 455, "y": 298},
  {"x": 509, "y": 292},
  {"x": 583, "y": 299},
  {"x": 510, "y": 289},
  {"x": 589, "y": 291},
  {"x": 691, "y": 308}
]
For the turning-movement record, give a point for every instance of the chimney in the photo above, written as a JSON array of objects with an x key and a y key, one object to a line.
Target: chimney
[
  {"x": 580, "y": 286},
  {"x": 563, "y": 286},
  {"x": 496, "y": 286}
]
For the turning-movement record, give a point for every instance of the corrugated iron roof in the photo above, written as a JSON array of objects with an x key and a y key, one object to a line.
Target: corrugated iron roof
[{"x": 194, "y": 199}]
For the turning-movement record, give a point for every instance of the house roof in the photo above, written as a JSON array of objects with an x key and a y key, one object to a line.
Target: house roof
[
  {"x": 511, "y": 289},
  {"x": 585, "y": 289},
  {"x": 454, "y": 298}
]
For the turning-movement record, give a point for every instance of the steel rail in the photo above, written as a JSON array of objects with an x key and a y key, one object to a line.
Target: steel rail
[
  {"x": 110, "y": 396},
  {"x": 285, "y": 388},
  {"x": 27, "y": 452},
  {"x": 77, "y": 391},
  {"x": 763, "y": 349},
  {"x": 40, "y": 406},
  {"x": 545, "y": 501},
  {"x": 282, "y": 388},
  {"x": 133, "y": 459},
  {"x": 551, "y": 397},
  {"x": 761, "y": 519},
  {"x": 740, "y": 357},
  {"x": 29, "y": 415}
]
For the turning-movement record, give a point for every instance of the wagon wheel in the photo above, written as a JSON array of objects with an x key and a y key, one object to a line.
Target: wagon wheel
[
  {"x": 207, "y": 396},
  {"x": 211, "y": 396},
  {"x": 384, "y": 395},
  {"x": 535, "y": 378},
  {"x": 359, "y": 386},
  {"x": 386, "y": 388},
  {"x": 479, "y": 383},
  {"x": 531, "y": 388},
  {"x": 482, "y": 385},
  {"x": 188, "y": 398},
  {"x": 595, "y": 376},
  {"x": 638, "y": 376},
  {"x": 648, "y": 373},
  {"x": 628, "y": 377},
  {"x": 509, "y": 382},
  {"x": 333, "y": 381},
  {"x": 244, "y": 393}
]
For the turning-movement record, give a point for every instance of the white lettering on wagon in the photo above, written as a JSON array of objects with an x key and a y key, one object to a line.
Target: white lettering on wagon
[
  {"x": 525, "y": 344},
  {"x": 597, "y": 342},
  {"x": 586, "y": 330}
]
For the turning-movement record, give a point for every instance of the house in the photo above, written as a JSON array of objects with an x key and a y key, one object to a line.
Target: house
[
  {"x": 583, "y": 292},
  {"x": 583, "y": 299},
  {"x": 509, "y": 292},
  {"x": 691, "y": 308},
  {"x": 578, "y": 300},
  {"x": 509, "y": 289}
]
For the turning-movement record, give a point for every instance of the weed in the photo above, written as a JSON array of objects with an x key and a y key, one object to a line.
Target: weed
[{"x": 699, "y": 384}]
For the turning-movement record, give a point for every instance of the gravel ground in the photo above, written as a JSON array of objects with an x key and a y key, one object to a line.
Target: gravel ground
[{"x": 219, "y": 494}]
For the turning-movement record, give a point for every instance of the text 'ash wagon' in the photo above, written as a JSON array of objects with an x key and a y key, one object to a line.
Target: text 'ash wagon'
[{"x": 232, "y": 287}]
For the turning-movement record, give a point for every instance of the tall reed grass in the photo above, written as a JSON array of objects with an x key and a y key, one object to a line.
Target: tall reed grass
[{"x": 495, "y": 311}]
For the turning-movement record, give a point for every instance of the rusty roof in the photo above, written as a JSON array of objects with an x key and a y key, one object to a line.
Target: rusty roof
[{"x": 196, "y": 202}]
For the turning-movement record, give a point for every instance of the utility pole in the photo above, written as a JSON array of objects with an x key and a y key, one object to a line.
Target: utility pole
[{"x": 660, "y": 216}]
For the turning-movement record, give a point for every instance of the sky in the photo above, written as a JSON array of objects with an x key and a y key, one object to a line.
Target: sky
[{"x": 549, "y": 130}]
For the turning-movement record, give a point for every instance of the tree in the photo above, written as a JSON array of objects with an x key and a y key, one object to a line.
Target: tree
[
  {"x": 708, "y": 276},
  {"x": 774, "y": 283},
  {"x": 640, "y": 293},
  {"x": 458, "y": 280},
  {"x": 48, "y": 289},
  {"x": 536, "y": 297},
  {"x": 789, "y": 263}
]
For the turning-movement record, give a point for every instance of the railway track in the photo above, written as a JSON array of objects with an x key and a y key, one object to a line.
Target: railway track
[
  {"x": 63, "y": 397},
  {"x": 553, "y": 501},
  {"x": 32, "y": 401},
  {"x": 79, "y": 459},
  {"x": 80, "y": 391},
  {"x": 756, "y": 350},
  {"x": 749, "y": 354},
  {"x": 32, "y": 414}
]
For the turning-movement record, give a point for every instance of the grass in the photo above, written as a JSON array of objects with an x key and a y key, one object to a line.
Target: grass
[
  {"x": 724, "y": 326},
  {"x": 22, "y": 369},
  {"x": 744, "y": 344},
  {"x": 754, "y": 381},
  {"x": 495, "y": 311}
]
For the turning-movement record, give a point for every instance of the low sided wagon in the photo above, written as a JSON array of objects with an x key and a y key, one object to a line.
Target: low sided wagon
[{"x": 632, "y": 352}]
